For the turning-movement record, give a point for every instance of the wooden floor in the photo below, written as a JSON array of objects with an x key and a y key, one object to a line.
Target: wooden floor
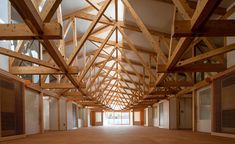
[{"x": 122, "y": 135}]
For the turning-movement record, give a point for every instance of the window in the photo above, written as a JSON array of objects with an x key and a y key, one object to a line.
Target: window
[
  {"x": 125, "y": 118},
  {"x": 117, "y": 118},
  {"x": 204, "y": 101},
  {"x": 98, "y": 117},
  {"x": 136, "y": 116}
]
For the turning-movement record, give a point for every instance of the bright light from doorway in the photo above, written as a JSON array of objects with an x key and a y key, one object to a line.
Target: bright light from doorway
[{"x": 116, "y": 118}]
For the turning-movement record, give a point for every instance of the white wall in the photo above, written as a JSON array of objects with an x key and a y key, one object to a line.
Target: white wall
[
  {"x": 54, "y": 114},
  {"x": 85, "y": 117},
  {"x": 69, "y": 116},
  {"x": 173, "y": 113},
  {"x": 156, "y": 116},
  {"x": 32, "y": 112},
  {"x": 63, "y": 113},
  {"x": 131, "y": 118},
  {"x": 148, "y": 116},
  {"x": 165, "y": 114},
  {"x": 46, "y": 113},
  {"x": 79, "y": 116}
]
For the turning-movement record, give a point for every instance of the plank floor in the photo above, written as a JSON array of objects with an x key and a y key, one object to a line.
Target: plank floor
[{"x": 122, "y": 135}]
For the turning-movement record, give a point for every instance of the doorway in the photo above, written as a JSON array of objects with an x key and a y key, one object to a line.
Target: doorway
[{"x": 116, "y": 118}]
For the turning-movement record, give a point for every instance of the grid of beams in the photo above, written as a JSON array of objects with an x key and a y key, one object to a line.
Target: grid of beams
[{"x": 120, "y": 84}]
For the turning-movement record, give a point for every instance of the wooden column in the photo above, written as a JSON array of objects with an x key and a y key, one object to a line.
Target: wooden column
[
  {"x": 194, "y": 111},
  {"x": 41, "y": 115}
]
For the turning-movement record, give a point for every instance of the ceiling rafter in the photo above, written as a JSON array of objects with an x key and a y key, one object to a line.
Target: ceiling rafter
[
  {"x": 117, "y": 87},
  {"x": 87, "y": 33}
]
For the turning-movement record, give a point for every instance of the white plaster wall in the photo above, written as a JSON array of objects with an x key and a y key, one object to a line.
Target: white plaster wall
[
  {"x": 89, "y": 117},
  {"x": 165, "y": 114},
  {"x": 46, "y": 113},
  {"x": 79, "y": 116},
  {"x": 173, "y": 113},
  {"x": 148, "y": 116},
  {"x": 156, "y": 117},
  {"x": 54, "y": 114},
  {"x": 85, "y": 117},
  {"x": 131, "y": 118},
  {"x": 32, "y": 112},
  {"x": 69, "y": 116},
  {"x": 63, "y": 114}
]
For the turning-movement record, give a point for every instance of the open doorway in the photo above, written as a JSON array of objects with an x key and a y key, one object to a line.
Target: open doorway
[{"x": 116, "y": 118}]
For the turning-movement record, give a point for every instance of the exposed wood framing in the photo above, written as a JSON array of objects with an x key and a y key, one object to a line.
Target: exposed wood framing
[{"x": 108, "y": 77}]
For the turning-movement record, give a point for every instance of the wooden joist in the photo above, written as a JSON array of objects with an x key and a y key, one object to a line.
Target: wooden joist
[
  {"x": 32, "y": 18},
  {"x": 212, "y": 28},
  {"x": 87, "y": 33},
  {"x": 154, "y": 97},
  {"x": 203, "y": 12},
  {"x": 96, "y": 55},
  {"x": 22, "y": 32},
  {"x": 194, "y": 68},
  {"x": 145, "y": 31},
  {"x": 60, "y": 86},
  {"x": 49, "y": 10},
  {"x": 123, "y": 46},
  {"x": 207, "y": 55},
  {"x": 109, "y": 87},
  {"x": 176, "y": 84},
  {"x": 23, "y": 57},
  {"x": 201, "y": 15},
  {"x": 125, "y": 25},
  {"x": 193, "y": 5}
]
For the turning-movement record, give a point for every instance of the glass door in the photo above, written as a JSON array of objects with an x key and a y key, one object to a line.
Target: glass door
[{"x": 116, "y": 118}]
